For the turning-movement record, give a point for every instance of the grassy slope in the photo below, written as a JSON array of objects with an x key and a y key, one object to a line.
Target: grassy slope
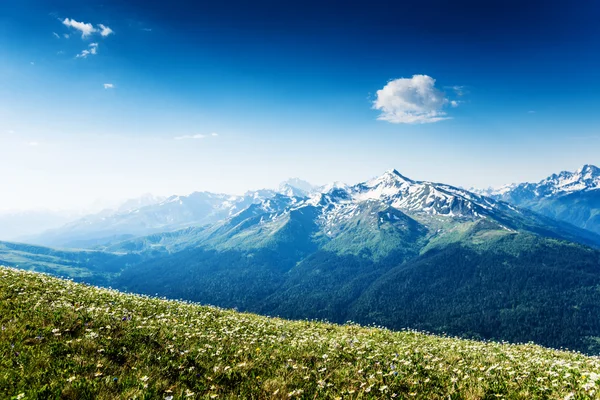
[{"x": 60, "y": 339}]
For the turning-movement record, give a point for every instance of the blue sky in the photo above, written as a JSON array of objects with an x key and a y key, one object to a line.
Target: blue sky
[{"x": 467, "y": 93}]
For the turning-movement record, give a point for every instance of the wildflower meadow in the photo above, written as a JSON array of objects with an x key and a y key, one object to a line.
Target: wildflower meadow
[{"x": 65, "y": 340}]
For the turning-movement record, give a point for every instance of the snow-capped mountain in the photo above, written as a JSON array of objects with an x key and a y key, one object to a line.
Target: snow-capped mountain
[
  {"x": 390, "y": 197},
  {"x": 383, "y": 215},
  {"x": 295, "y": 187},
  {"x": 586, "y": 178},
  {"x": 567, "y": 196}
]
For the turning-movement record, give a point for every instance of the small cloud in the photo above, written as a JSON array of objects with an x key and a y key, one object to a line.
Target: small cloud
[
  {"x": 60, "y": 52},
  {"x": 105, "y": 30},
  {"x": 86, "y": 29},
  {"x": 33, "y": 144},
  {"x": 10, "y": 132},
  {"x": 196, "y": 136},
  {"x": 66, "y": 35},
  {"x": 83, "y": 54},
  {"x": 454, "y": 103},
  {"x": 147, "y": 29},
  {"x": 56, "y": 35},
  {"x": 459, "y": 90},
  {"x": 413, "y": 100},
  {"x": 32, "y": 63},
  {"x": 530, "y": 112},
  {"x": 93, "y": 50},
  {"x": 109, "y": 86}
]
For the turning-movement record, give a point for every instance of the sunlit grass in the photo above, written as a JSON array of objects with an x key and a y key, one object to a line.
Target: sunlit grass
[{"x": 60, "y": 339}]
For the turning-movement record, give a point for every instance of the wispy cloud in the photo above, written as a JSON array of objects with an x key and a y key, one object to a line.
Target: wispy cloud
[
  {"x": 196, "y": 136},
  {"x": 93, "y": 50},
  {"x": 86, "y": 29},
  {"x": 459, "y": 90},
  {"x": 33, "y": 144},
  {"x": 109, "y": 86},
  {"x": 105, "y": 30},
  {"x": 413, "y": 100},
  {"x": 56, "y": 35}
]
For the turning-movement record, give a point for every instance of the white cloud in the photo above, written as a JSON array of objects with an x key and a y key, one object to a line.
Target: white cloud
[
  {"x": 86, "y": 29},
  {"x": 93, "y": 51},
  {"x": 66, "y": 35},
  {"x": 56, "y": 35},
  {"x": 196, "y": 136},
  {"x": 109, "y": 86},
  {"x": 33, "y": 144},
  {"x": 413, "y": 100},
  {"x": 459, "y": 90},
  {"x": 10, "y": 132},
  {"x": 105, "y": 30}
]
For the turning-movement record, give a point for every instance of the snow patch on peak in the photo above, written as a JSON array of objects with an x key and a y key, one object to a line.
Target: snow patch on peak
[
  {"x": 298, "y": 183},
  {"x": 337, "y": 185}
]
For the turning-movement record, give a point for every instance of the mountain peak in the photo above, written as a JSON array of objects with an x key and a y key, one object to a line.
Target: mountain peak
[
  {"x": 295, "y": 187},
  {"x": 394, "y": 176},
  {"x": 332, "y": 186},
  {"x": 589, "y": 169}
]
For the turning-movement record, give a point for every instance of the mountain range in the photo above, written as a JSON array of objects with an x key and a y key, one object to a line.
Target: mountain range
[
  {"x": 391, "y": 251},
  {"x": 567, "y": 196},
  {"x": 149, "y": 214}
]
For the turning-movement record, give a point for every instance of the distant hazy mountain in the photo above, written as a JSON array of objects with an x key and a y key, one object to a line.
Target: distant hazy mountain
[
  {"x": 147, "y": 199},
  {"x": 15, "y": 225},
  {"x": 296, "y": 187},
  {"x": 148, "y": 214},
  {"x": 573, "y": 197}
]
